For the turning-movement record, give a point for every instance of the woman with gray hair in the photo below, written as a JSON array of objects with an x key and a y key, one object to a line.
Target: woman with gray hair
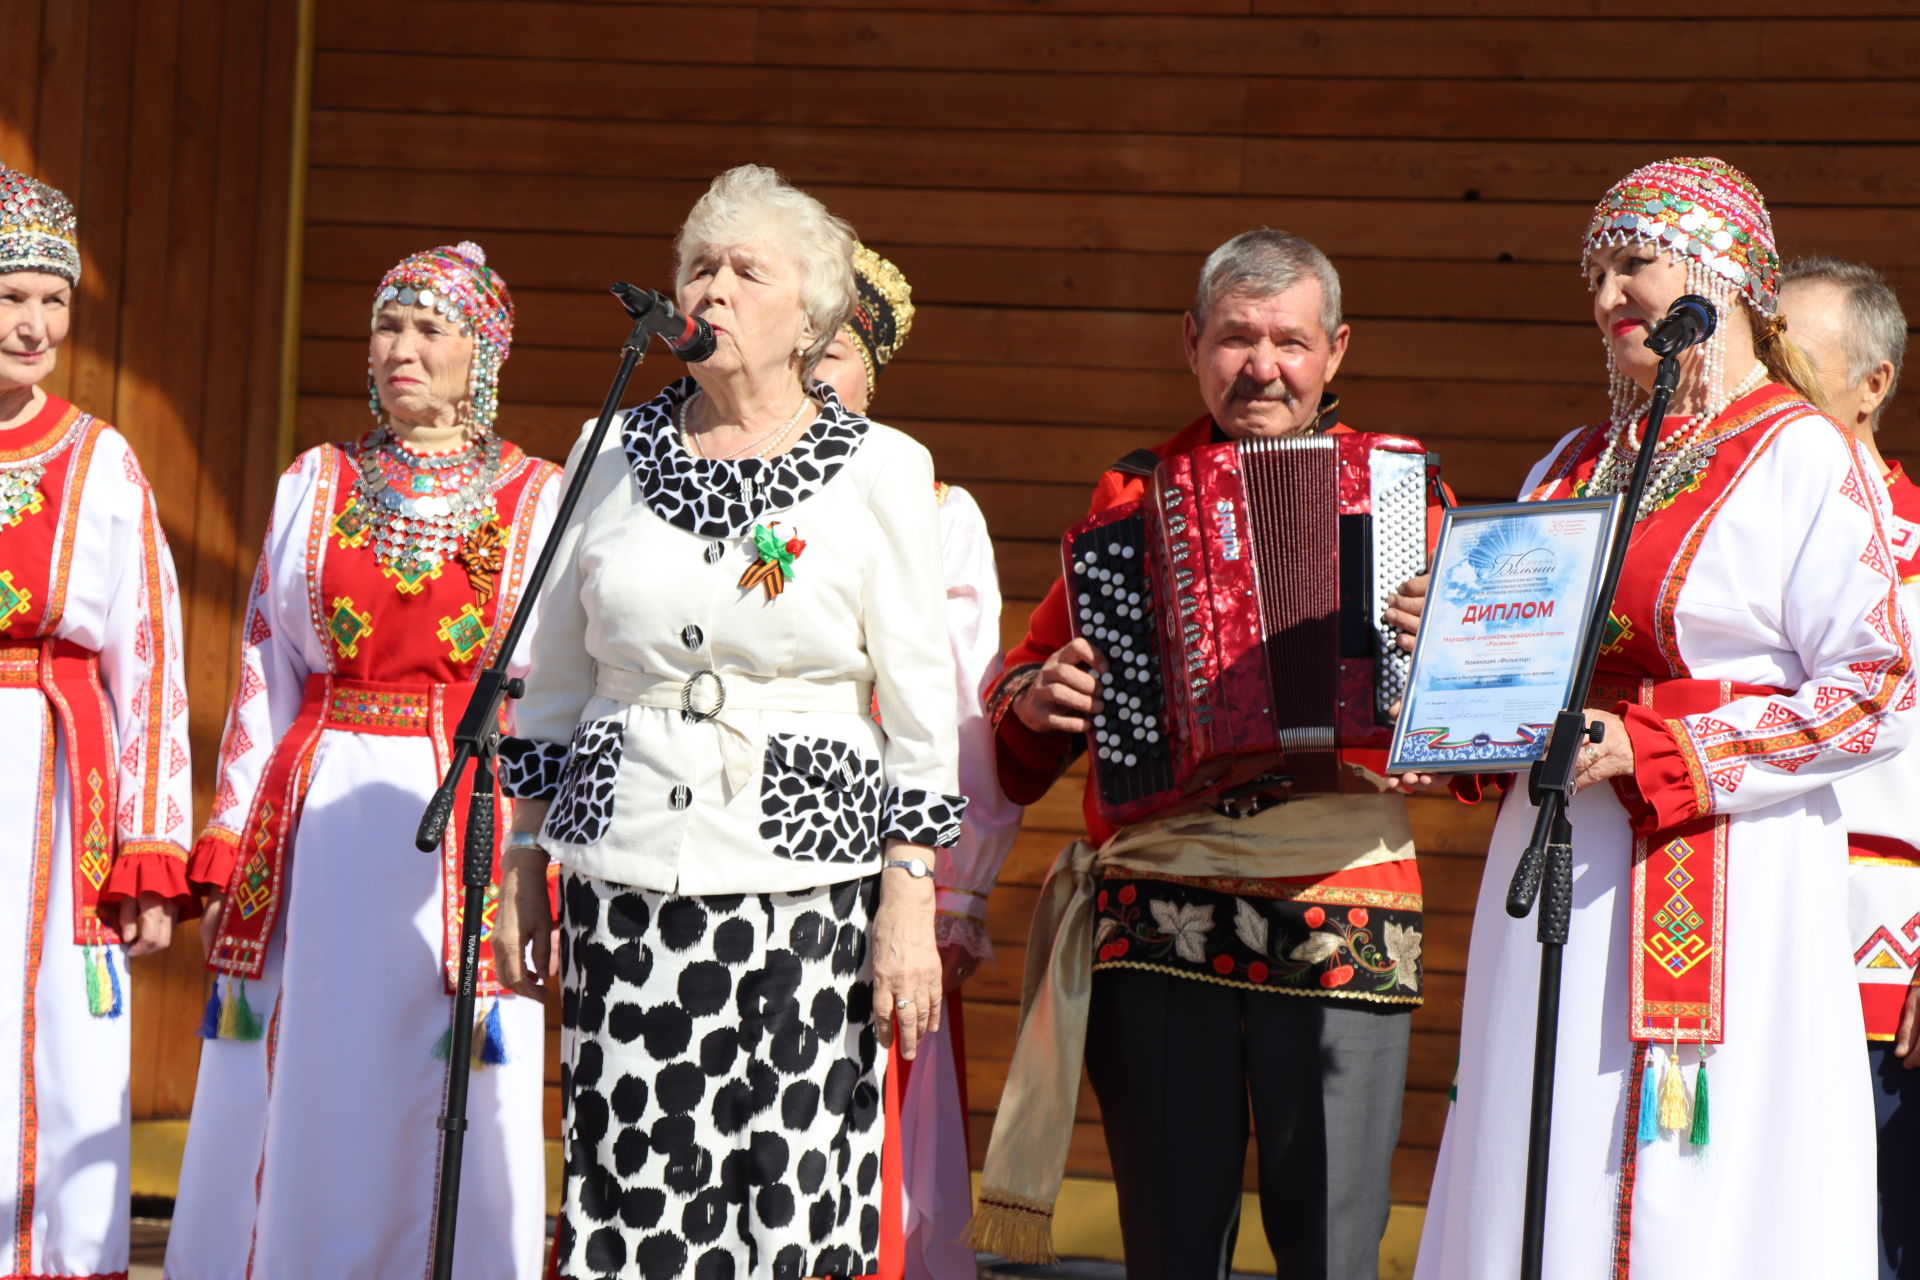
[{"x": 747, "y": 905}]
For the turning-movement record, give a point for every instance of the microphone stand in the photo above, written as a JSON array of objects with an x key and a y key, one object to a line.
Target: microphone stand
[
  {"x": 1548, "y": 858},
  {"x": 477, "y": 740}
]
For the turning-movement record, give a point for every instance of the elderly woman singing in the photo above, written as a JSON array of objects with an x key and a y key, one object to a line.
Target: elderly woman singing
[{"x": 748, "y": 905}]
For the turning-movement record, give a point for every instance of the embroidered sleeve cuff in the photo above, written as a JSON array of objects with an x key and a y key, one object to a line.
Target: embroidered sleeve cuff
[
  {"x": 968, "y": 934},
  {"x": 210, "y": 868},
  {"x": 149, "y": 866},
  {"x": 1472, "y": 788},
  {"x": 530, "y": 768},
  {"x": 960, "y": 903},
  {"x": 922, "y": 817},
  {"x": 1667, "y": 785}
]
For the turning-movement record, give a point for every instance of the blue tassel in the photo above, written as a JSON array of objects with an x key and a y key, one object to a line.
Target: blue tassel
[
  {"x": 493, "y": 1051},
  {"x": 1650, "y": 1098},
  {"x": 113, "y": 978},
  {"x": 210, "y": 1017}
]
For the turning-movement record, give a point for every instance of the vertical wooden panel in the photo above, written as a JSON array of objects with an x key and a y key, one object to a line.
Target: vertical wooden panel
[{"x": 169, "y": 123}]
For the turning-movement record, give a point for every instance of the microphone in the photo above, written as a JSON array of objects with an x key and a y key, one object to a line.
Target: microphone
[
  {"x": 1690, "y": 320},
  {"x": 688, "y": 337}
]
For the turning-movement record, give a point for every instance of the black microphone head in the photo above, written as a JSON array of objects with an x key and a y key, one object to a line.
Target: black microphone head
[
  {"x": 1704, "y": 308},
  {"x": 698, "y": 344}
]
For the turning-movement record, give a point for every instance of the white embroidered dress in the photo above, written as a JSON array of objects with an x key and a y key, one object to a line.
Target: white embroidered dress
[
  {"x": 314, "y": 1150},
  {"x": 1785, "y": 583}
]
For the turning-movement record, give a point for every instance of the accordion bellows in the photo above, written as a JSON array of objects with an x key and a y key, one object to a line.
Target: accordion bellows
[{"x": 1238, "y": 605}]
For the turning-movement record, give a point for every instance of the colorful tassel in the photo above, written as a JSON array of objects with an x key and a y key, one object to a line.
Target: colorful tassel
[
  {"x": 113, "y": 979},
  {"x": 493, "y": 1039},
  {"x": 237, "y": 1018},
  {"x": 1673, "y": 1096},
  {"x": 1698, "y": 1137},
  {"x": 210, "y": 1016},
  {"x": 443, "y": 1047},
  {"x": 1650, "y": 1099},
  {"x": 99, "y": 1001}
]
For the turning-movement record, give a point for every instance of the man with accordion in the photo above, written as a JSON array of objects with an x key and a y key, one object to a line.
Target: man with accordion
[{"x": 1237, "y": 939}]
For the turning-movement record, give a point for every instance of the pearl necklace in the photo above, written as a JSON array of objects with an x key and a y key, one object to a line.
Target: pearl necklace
[
  {"x": 1675, "y": 463},
  {"x": 692, "y": 442}
]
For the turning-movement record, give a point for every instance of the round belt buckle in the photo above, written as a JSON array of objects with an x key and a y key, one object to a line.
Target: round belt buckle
[{"x": 687, "y": 712}]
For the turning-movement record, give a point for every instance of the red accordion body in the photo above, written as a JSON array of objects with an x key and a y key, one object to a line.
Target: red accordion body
[{"x": 1238, "y": 605}]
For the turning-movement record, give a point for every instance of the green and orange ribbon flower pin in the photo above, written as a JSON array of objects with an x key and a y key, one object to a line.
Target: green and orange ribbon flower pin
[{"x": 774, "y": 569}]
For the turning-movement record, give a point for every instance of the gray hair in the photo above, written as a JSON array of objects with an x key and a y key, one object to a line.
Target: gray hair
[
  {"x": 752, "y": 202},
  {"x": 1263, "y": 263},
  {"x": 1876, "y": 327}
]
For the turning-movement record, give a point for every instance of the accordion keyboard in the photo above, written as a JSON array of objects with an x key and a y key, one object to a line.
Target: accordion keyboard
[{"x": 1111, "y": 597}]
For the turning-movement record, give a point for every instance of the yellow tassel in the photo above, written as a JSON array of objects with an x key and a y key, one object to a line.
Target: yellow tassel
[
  {"x": 1013, "y": 1227},
  {"x": 1673, "y": 1097}
]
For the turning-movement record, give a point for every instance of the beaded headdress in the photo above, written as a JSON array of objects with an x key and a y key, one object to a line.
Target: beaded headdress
[
  {"x": 882, "y": 312},
  {"x": 38, "y": 231},
  {"x": 455, "y": 281},
  {"x": 1711, "y": 218}
]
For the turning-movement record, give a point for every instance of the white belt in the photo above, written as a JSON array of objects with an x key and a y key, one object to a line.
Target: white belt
[{"x": 707, "y": 696}]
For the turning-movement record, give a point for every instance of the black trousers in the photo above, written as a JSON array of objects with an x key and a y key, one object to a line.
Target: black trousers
[
  {"x": 1182, "y": 1068},
  {"x": 1896, "y": 1103}
]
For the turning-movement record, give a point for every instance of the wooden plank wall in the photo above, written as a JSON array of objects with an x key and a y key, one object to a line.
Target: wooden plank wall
[
  {"x": 168, "y": 123},
  {"x": 1049, "y": 173}
]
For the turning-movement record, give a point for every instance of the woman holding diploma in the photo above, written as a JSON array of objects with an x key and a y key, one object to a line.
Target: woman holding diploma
[{"x": 1755, "y": 653}]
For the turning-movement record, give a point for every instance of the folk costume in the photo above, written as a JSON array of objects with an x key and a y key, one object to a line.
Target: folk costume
[
  {"x": 1196, "y": 961},
  {"x": 929, "y": 1127},
  {"x": 1883, "y": 917},
  {"x": 722, "y": 796},
  {"x": 386, "y": 582},
  {"x": 1711, "y": 1117},
  {"x": 95, "y": 789}
]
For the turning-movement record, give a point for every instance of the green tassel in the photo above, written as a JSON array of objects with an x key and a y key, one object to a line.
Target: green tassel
[
  {"x": 1698, "y": 1137},
  {"x": 99, "y": 1000},
  {"x": 1453, "y": 1085},
  {"x": 237, "y": 1018},
  {"x": 443, "y": 1047}
]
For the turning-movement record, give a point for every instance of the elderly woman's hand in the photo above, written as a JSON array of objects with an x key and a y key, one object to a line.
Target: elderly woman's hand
[
  {"x": 1405, "y": 607},
  {"x": 146, "y": 925},
  {"x": 907, "y": 981},
  {"x": 1608, "y": 758},
  {"x": 525, "y": 916}
]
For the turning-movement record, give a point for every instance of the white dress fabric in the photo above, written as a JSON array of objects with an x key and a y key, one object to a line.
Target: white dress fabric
[
  {"x": 1791, "y": 589},
  {"x": 779, "y": 787},
  {"x": 938, "y": 1193},
  {"x": 315, "y": 1150},
  {"x": 65, "y": 1121}
]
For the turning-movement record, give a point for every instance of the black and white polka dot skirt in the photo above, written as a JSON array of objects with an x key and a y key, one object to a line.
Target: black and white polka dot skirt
[{"x": 723, "y": 1084}]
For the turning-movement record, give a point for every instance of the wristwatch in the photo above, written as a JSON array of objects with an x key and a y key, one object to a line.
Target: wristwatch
[{"x": 914, "y": 867}]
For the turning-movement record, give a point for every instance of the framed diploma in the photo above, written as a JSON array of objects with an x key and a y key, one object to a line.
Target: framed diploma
[{"x": 1513, "y": 587}]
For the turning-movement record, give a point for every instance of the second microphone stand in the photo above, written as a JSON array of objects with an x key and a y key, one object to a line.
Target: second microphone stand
[{"x": 1548, "y": 860}]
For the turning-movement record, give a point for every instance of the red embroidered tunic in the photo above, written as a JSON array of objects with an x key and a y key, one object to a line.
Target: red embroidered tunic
[{"x": 90, "y": 621}]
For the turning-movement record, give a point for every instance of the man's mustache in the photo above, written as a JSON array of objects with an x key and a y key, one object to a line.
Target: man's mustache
[{"x": 1248, "y": 389}]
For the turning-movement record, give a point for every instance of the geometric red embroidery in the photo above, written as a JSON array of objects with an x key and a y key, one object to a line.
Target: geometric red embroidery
[
  {"x": 258, "y": 632},
  {"x": 126, "y": 813},
  {"x": 238, "y": 744},
  {"x": 1792, "y": 763},
  {"x": 225, "y": 798},
  {"x": 1875, "y": 557},
  {"x": 1907, "y": 698},
  {"x": 1868, "y": 670},
  {"x": 132, "y": 469},
  {"x": 251, "y": 682},
  {"x": 1708, "y": 727},
  {"x": 1851, "y": 490},
  {"x": 1877, "y": 619},
  {"x": 175, "y": 819},
  {"x": 176, "y": 701},
  {"x": 1862, "y": 742},
  {"x": 1829, "y": 697},
  {"x": 177, "y": 761},
  {"x": 142, "y": 643},
  {"x": 1775, "y": 715},
  {"x": 1728, "y": 779},
  {"x": 130, "y": 758}
]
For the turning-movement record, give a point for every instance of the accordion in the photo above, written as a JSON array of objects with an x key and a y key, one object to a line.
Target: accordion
[{"x": 1238, "y": 606}]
